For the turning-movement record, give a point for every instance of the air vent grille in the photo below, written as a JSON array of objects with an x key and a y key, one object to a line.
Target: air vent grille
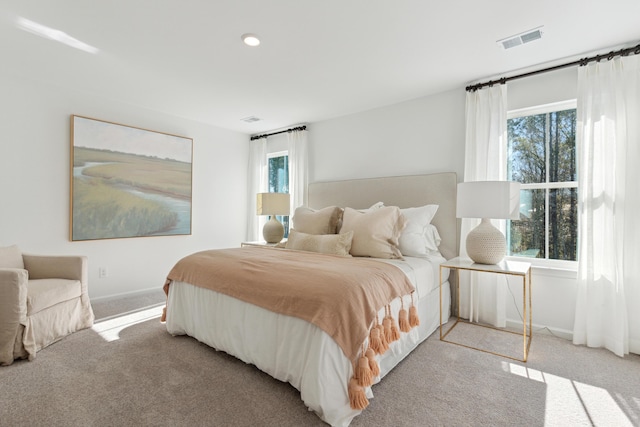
[
  {"x": 533, "y": 35},
  {"x": 509, "y": 43},
  {"x": 520, "y": 39},
  {"x": 251, "y": 119}
]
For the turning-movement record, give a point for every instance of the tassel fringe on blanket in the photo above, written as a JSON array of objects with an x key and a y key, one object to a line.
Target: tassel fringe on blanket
[
  {"x": 366, "y": 368},
  {"x": 414, "y": 320},
  {"x": 403, "y": 318}
]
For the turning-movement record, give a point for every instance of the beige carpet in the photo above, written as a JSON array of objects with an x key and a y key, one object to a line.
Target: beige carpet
[{"x": 129, "y": 371}]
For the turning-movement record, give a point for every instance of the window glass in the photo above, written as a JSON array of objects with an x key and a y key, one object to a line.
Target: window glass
[
  {"x": 563, "y": 213},
  {"x": 526, "y": 149},
  {"x": 542, "y": 157},
  {"x": 279, "y": 181},
  {"x": 527, "y": 236}
]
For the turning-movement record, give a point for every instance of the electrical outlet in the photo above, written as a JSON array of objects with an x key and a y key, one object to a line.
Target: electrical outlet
[{"x": 102, "y": 272}]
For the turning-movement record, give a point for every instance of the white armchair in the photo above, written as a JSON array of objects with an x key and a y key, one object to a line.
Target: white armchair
[{"x": 42, "y": 299}]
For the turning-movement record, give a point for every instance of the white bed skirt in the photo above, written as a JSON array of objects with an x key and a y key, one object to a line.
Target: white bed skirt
[{"x": 287, "y": 348}]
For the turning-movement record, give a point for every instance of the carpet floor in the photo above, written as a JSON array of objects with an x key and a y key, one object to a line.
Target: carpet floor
[{"x": 128, "y": 371}]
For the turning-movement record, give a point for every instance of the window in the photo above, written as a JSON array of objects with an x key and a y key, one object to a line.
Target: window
[
  {"x": 541, "y": 155},
  {"x": 279, "y": 180}
]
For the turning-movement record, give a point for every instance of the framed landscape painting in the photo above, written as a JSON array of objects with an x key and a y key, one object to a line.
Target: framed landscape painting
[{"x": 128, "y": 182}]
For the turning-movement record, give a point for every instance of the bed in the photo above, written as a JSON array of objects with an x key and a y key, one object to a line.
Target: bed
[{"x": 311, "y": 356}]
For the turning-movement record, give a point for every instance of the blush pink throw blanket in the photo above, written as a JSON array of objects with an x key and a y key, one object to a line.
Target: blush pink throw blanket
[{"x": 340, "y": 295}]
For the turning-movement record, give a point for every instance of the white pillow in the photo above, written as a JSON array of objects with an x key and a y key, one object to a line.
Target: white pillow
[
  {"x": 335, "y": 244},
  {"x": 432, "y": 239},
  {"x": 375, "y": 232},
  {"x": 419, "y": 237}
]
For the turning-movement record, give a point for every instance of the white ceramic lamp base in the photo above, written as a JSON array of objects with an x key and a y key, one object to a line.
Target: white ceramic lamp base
[
  {"x": 486, "y": 244},
  {"x": 273, "y": 231}
]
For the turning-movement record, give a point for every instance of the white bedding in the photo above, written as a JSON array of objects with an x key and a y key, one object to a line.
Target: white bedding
[{"x": 303, "y": 354}]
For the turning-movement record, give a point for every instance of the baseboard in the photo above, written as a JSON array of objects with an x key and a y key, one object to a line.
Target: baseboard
[
  {"x": 541, "y": 329},
  {"x": 126, "y": 294}
]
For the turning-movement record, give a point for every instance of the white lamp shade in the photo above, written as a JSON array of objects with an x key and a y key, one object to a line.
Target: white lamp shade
[
  {"x": 488, "y": 199},
  {"x": 272, "y": 204},
  {"x": 485, "y": 244}
]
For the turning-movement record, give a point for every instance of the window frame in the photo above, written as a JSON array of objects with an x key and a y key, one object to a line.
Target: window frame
[
  {"x": 555, "y": 264},
  {"x": 286, "y": 222}
]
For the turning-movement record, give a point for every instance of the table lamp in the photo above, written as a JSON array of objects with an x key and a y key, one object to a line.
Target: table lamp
[
  {"x": 487, "y": 200},
  {"x": 273, "y": 204}
]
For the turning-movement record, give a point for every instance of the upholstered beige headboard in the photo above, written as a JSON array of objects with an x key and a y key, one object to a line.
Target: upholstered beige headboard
[{"x": 403, "y": 191}]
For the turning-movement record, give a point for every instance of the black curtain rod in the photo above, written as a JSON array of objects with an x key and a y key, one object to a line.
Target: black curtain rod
[
  {"x": 276, "y": 133},
  {"x": 581, "y": 62}
]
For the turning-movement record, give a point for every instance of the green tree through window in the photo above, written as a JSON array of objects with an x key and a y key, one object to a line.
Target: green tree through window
[
  {"x": 542, "y": 157},
  {"x": 279, "y": 181}
]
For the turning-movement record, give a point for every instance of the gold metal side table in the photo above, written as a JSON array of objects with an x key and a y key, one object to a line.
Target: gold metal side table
[
  {"x": 512, "y": 268},
  {"x": 260, "y": 244}
]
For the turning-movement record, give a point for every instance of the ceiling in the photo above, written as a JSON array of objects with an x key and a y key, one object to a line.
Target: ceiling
[{"x": 317, "y": 60}]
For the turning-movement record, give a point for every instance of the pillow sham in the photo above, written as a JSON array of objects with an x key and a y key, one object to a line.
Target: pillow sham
[
  {"x": 11, "y": 257},
  {"x": 419, "y": 237},
  {"x": 376, "y": 205},
  {"x": 373, "y": 207},
  {"x": 375, "y": 232},
  {"x": 322, "y": 221},
  {"x": 334, "y": 244},
  {"x": 420, "y": 245},
  {"x": 432, "y": 238}
]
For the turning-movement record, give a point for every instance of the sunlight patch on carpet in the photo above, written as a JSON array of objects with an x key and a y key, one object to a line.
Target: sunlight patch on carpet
[
  {"x": 571, "y": 402},
  {"x": 109, "y": 329}
]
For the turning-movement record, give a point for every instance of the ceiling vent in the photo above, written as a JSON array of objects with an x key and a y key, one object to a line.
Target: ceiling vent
[
  {"x": 251, "y": 119},
  {"x": 521, "y": 38}
]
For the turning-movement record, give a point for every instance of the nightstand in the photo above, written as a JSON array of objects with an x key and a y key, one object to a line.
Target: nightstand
[{"x": 511, "y": 268}]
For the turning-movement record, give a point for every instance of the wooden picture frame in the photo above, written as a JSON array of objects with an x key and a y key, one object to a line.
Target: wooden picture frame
[{"x": 128, "y": 182}]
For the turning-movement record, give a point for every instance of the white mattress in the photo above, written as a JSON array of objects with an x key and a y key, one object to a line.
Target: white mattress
[
  {"x": 303, "y": 354},
  {"x": 423, "y": 272}
]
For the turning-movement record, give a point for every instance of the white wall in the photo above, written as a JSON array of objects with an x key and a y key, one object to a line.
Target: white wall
[
  {"x": 414, "y": 137},
  {"x": 541, "y": 89},
  {"x": 34, "y": 185},
  {"x": 427, "y": 135}
]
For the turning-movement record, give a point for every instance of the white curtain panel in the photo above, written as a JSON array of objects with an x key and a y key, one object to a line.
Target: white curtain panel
[
  {"x": 298, "y": 168},
  {"x": 483, "y": 295},
  {"x": 608, "y": 115},
  {"x": 257, "y": 182}
]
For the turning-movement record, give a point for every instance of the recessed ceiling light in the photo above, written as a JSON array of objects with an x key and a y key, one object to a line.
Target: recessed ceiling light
[{"x": 250, "y": 39}]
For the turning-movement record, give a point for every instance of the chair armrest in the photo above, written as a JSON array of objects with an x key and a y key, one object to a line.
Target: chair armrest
[
  {"x": 13, "y": 290},
  {"x": 73, "y": 267},
  {"x": 55, "y": 266},
  {"x": 13, "y": 309}
]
